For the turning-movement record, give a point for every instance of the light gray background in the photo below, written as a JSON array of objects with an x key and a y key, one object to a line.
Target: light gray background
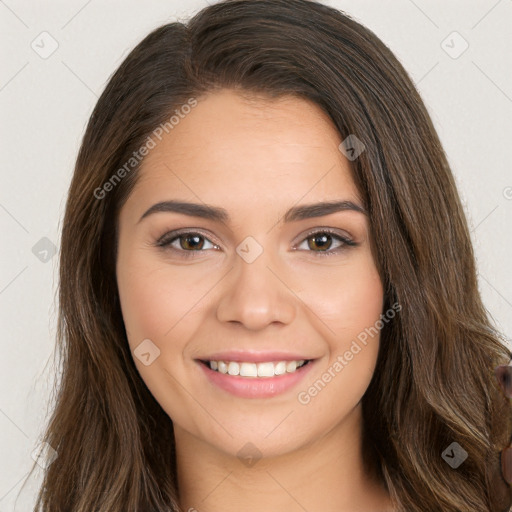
[{"x": 45, "y": 104}]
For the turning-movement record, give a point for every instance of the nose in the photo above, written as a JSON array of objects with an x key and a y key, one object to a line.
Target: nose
[{"x": 256, "y": 295}]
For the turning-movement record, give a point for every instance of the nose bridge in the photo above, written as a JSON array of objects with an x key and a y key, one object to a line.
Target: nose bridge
[
  {"x": 252, "y": 268},
  {"x": 255, "y": 296}
]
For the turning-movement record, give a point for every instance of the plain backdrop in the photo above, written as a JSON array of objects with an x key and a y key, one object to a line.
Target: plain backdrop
[{"x": 56, "y": 59}]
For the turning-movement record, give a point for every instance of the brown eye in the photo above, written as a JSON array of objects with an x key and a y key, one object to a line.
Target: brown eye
[
  {"x": 191, "y": 242},
  {"x": 321, "y": 241},
  {"x": 185, "y": 243}
]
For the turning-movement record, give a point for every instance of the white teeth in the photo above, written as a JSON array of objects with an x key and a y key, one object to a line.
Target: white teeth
[
  {"x": 233, "y": 368},
  {"x": 280, "y": 368},
  {"x": 248, "y": 370},
  {"x": 267, "y": 369},
  {"x": 291, "y": 366}
]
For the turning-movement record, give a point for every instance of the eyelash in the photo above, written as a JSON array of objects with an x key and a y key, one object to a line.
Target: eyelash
[{"x": 165, "y": 241}]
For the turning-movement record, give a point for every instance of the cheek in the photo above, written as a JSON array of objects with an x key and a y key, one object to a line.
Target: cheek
[
  {"x": 348, "y": 304},
  {"x": 347, "y": 298},
  {"x": 142, "y": 303},
  {"x": 154, "y": 307},
  {"x": 153, "y": 298}
]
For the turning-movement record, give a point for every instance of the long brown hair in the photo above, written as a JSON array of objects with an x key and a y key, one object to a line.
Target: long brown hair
[{"x": 434, "y": 382}]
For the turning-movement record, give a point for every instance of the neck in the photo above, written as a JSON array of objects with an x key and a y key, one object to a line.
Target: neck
[{"x": 328, "y": 475}]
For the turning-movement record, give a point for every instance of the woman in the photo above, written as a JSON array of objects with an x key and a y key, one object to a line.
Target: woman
[{"x": 268, "y": 294}]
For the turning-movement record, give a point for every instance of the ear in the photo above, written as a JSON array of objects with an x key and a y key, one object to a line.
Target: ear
[{"x": 503, "y": 374}]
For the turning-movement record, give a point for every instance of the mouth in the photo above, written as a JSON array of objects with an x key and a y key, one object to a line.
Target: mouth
[
  {"x": 255, "y": 379},
  {"x": 250, "y": 370}
]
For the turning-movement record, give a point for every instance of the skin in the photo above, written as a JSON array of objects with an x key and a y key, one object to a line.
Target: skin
[{"x": 256, "y": 157}]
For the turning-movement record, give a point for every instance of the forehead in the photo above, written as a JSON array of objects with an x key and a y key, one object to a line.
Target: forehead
[{"x": 235, "y": 149}]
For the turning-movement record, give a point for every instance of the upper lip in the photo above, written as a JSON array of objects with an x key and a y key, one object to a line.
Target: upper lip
[{"x": 254, "y": 357}]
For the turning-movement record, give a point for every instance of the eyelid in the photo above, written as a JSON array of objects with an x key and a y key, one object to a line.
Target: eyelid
[{"x": 171, "y": 235}]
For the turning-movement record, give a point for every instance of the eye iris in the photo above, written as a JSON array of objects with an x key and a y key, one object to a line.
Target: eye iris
[
  {"x": 320, "y": 239},
  {"x": 197, "y": 244}
]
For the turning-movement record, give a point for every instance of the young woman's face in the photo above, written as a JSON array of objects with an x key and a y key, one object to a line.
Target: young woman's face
[{"x": 275, "y": 280}]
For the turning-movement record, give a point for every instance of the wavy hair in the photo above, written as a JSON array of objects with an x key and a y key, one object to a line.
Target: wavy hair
[{"x": 434, "y": 382}]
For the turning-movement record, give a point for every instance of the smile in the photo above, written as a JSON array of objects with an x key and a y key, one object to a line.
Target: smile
[{"x": 255, "y": 380}]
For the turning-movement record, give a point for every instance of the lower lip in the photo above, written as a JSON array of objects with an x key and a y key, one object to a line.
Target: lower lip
[{"x": 256, "y": 387}]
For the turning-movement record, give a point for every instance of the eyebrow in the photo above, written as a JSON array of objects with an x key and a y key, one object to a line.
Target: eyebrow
[{"x": 218, "y": 214}]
